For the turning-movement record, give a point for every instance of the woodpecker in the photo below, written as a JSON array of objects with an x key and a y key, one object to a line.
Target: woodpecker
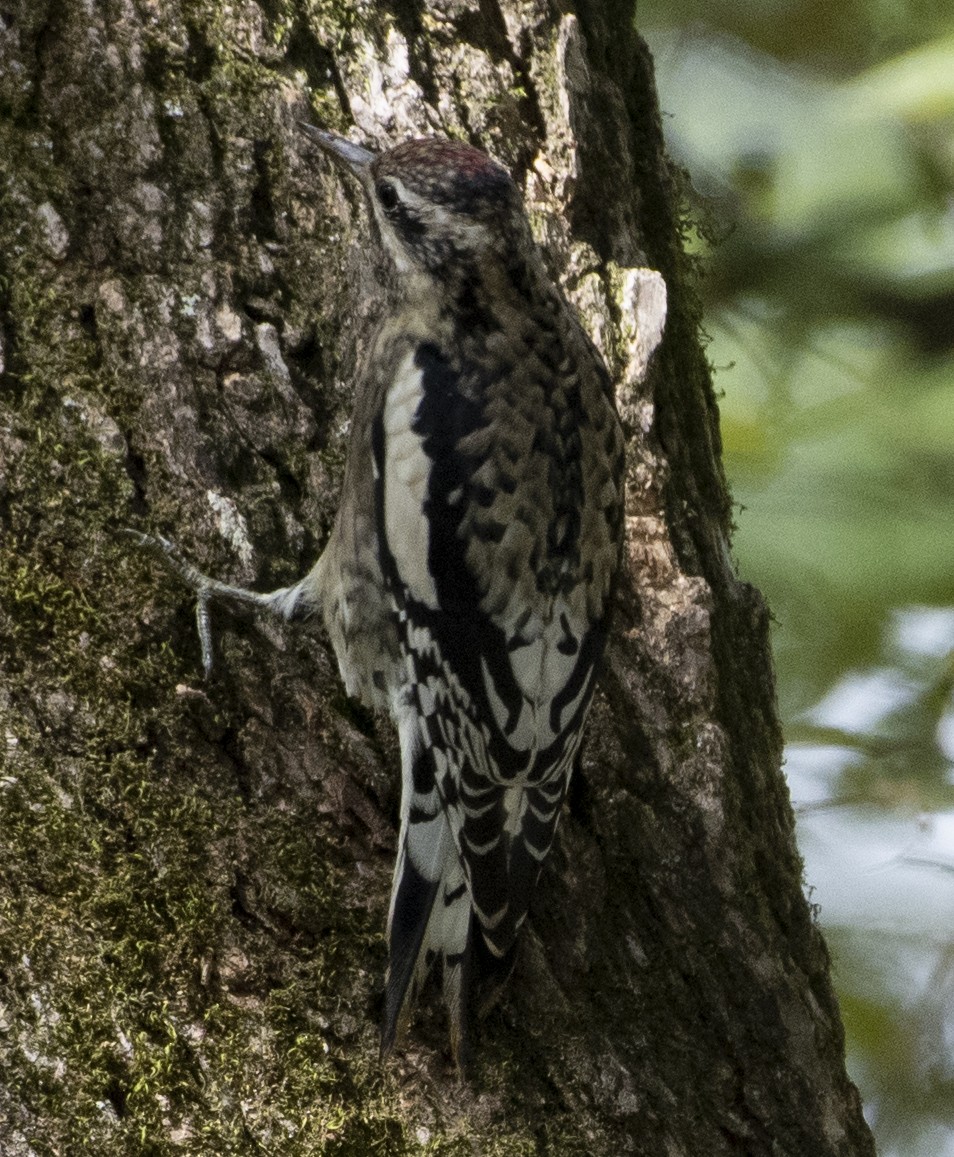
[{"x": 467, "y": 583}]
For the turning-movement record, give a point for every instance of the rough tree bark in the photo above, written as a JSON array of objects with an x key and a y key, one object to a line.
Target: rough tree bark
[{"x": 194, "y": 875}]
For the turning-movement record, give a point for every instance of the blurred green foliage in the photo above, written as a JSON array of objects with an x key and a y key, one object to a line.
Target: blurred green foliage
[{"x": 820, "y": 142}]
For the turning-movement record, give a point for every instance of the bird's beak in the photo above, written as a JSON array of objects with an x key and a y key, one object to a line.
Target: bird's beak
[{"x": 353, "y": 157}]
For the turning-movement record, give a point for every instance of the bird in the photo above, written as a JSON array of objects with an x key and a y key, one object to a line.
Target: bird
[{"x": 468, "y": 581}]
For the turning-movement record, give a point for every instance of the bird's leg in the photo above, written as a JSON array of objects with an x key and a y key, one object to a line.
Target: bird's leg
[{"x": 286, "y": 601}]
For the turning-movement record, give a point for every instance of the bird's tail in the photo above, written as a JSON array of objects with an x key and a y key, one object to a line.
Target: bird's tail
[
  {"x": 461, "y": 897},
  {"x": 430, "y": 917}
]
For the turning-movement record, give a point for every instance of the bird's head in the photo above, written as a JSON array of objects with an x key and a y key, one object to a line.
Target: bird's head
[{"x": 440, "y": 205}]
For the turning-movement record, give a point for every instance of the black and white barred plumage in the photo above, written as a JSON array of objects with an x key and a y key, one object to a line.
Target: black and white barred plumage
[
  {"x": 468, "y": 580},
  {"x": 467, "y": 583}
]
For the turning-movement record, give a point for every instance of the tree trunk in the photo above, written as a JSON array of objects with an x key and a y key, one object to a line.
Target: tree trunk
[{"x": 195, "y": 874}]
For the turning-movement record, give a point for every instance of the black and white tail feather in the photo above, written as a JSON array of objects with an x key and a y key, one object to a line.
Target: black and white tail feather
[
  {"x": 430, "y": 913},
  {"x": 460, "y": 893}
]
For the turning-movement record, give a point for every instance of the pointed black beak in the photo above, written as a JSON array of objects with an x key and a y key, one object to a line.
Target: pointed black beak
[{"x": 352, "y": 157}]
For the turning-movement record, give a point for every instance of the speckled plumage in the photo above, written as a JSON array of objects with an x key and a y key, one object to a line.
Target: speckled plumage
[{"x": 467, "y": 582}]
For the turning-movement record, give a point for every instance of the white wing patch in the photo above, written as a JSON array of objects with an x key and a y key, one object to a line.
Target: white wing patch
[{"x": 406, "y": 473}]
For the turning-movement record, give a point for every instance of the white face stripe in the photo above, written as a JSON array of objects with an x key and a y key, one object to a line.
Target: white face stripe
[
  {"x": 390, "y": 238},
  {"x": 439, "y": 220},
  {"x": 407, "y": 470}
]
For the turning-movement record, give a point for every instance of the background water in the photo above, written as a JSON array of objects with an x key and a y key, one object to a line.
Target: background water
[{"x": 820, "y": 142}]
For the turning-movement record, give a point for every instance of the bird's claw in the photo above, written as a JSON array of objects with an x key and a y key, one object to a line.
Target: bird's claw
[
  {"x": 202, "y": 584},
  {"x": 289, "y": 602}
]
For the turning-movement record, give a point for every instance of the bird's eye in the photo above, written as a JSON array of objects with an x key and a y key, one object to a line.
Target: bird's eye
[{"x": 387, "y": 195}]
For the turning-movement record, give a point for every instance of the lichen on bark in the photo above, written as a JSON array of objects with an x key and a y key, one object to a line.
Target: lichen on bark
[{"x": 194, "y": 877}]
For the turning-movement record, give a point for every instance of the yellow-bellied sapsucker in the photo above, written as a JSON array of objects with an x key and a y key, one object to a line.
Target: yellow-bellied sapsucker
[{"x": 467, "y": 582}]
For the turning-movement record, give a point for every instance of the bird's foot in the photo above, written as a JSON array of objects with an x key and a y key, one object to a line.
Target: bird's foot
[{"x": 284, "y": 601}]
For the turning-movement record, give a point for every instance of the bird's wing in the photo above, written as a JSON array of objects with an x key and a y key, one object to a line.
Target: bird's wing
[{"x": 499, "y": 661}]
